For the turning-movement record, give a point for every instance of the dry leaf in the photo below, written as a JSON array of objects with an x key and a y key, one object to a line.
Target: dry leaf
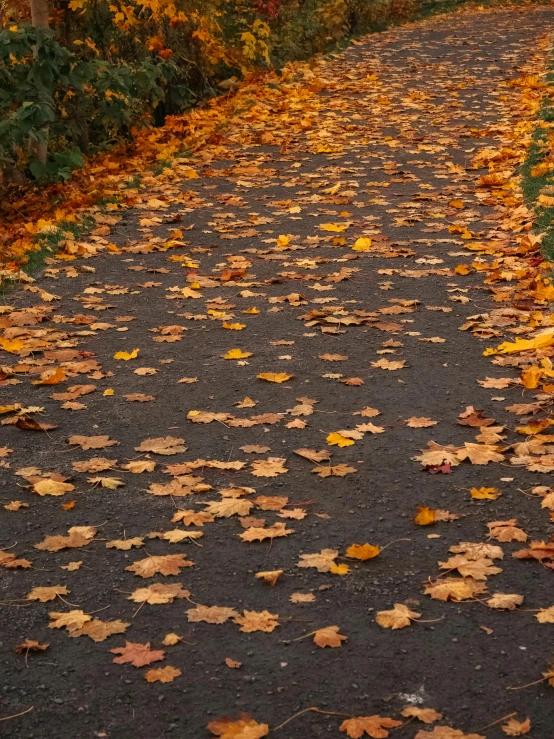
[
  {"x": 270, "y": 467},
  {"x": 257, "y": 621},
  {"x": 45, "y": 594},
  {"x": 162, "y": 674},
  {"x": 162, "y": 445},
  {"x": 52, "y": 487},
  {"x": 399, "y": 617},
  {"x": 363, "y": 551},
  {"x": 427, "y": 715},
  {"x": 505, "y": 601},
  {"x": 270, "y": 577},
  {"x": 516, "y": 728},
  {"x": 374, "y": 726},
  {"x": 91, "y": 442},
  {"x": 171, "y": 639},
  {"x": 323, "y": 561},
  {"x": 329, "y": 637},
  {"x": 29, "y": 645},
  {"x": 242, "y": 728},
  {"x": 169, "y": 564},
  {"x": 211, "y": 614},
  {"x": 125, "y": 544},
  {"x": 78, "y": 536},
  {"x": 271, "y": 532},
  {"x": 229, "y": 507},
  {"x": 98, "y": 630},
  {"x": 278, "y": 377},
  {"x": 302, "y": 598},
  {"x": 158, "y": 593},
  {"x": 416, "y": 422},
  {"x": 137, "y": 654},
  {"x": 453, "y": 588}
]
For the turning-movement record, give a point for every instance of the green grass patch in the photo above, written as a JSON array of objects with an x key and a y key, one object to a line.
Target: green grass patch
[
  {"x": 48, "y": 243},
  {"x": 536, "y": 183}
]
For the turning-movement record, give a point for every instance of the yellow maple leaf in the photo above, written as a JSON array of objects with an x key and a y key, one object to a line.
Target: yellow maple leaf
[
  {"x": 126, "y": 355},
  {"x": 521, "y": 345},
  {"x": 338, "y": 227},
  {"x": 338, "y": 440},
  {"x": 362, "y": 244},
  {"x": 274, "y": 376},
  {"x": 11, "y": 345},
  {"x": 236, "y": 354},
  {"x": 462, "y": 269},
  {"x": 425, "y": 516},
  {"x": 531, "y": 377},
  {"x": 51, "y": 379},
  {"x": 363, "y": 551},
  {"x": 340, "y": 569},
  {"x": 233, "y": 326},
  {"x": 485, "y": 493}
]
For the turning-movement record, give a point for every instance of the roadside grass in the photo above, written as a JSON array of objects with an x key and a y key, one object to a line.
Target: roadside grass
[
  {"x": 47, "y": 243},
  {"x": 538, "y": 173}
]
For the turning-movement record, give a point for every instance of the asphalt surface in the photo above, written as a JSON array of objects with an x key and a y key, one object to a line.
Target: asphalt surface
[{"x": 400, "y": 148}]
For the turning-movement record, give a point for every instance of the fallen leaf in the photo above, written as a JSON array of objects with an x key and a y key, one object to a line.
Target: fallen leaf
[
  {"x": 29, "y": 645},
  {"x": 278, "y": 377},
  {"x": 363, "y": 551},
  {"x": 257, "y": 621},
  {"x": 171, "y": 639},
  {"x": 163, "y": 445},
  {"x": 338, "y": 440},
  {"x": 374, "y": 726},
  {"x": 52, "y": 487},
  {"x": 158, "y": 593},
  {"x": 427, "y": 715},
  {"x": 126, "y": 355},
  {"x": 47, "y": 593},
  {"x": 399, "y": 617},
  {"x": 270, "y": 467},
  {"x": 323, "y": 561},
  {"x": 91, "y": 442},
  {"x": 211, "y": 614},
  {"x": 270, "y": 577},
  {"x": 162, "y": 674},
  {"x": 329, "y": 637},
  {"x": 236, "y": 354},
  {"x": 271, "y": 532},
  {"x": 169, "y": 564},
  {"x": 417, "y": 422},
  {"x": 137, "y": 654},
  {"x": 242, "y": 728},
  {"x": 516, "y": 728},
  {"x": 98, "y": 630},
  {"x": 485, "y": 493}
]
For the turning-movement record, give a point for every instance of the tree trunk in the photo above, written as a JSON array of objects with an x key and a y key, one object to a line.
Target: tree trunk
[
  {"x": 39, "y": 19},
  {"x": 39, "y": 13}
]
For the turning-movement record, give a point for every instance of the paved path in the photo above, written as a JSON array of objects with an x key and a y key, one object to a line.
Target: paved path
[{"x": 378, "y": 145}]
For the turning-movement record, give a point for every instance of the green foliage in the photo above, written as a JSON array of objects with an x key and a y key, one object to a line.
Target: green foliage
[{"x": 77, "y": 105}]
